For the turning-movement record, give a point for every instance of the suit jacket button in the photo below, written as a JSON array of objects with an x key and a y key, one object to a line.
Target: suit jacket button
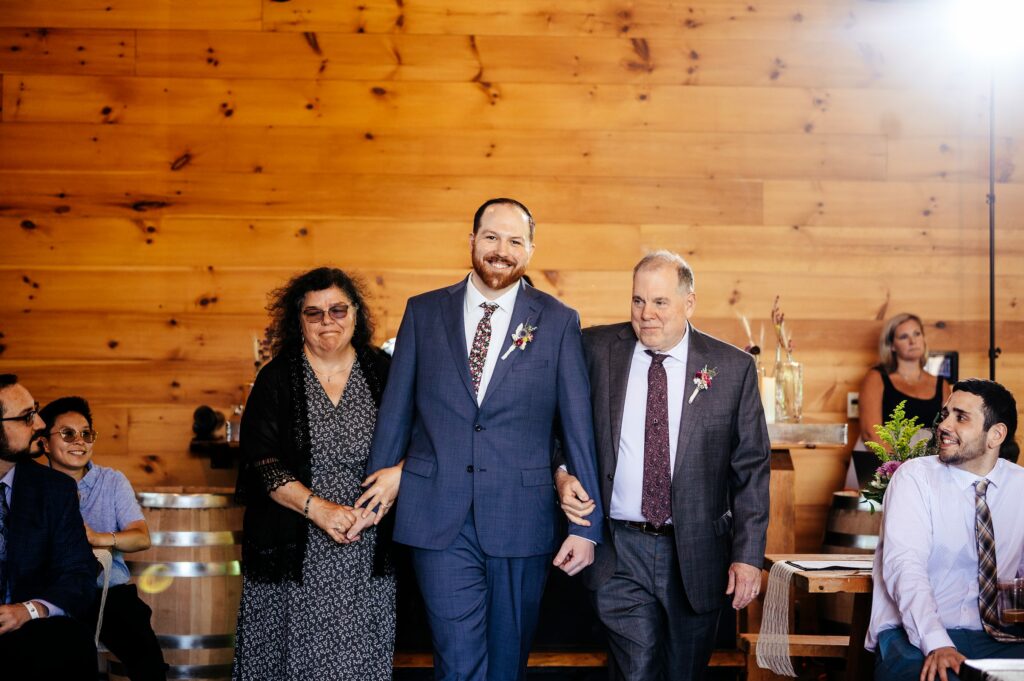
[
  {"x": 610, "y": 477},
  {"x": 469, "y": 469},
  {"x": 478, "y": 427}
]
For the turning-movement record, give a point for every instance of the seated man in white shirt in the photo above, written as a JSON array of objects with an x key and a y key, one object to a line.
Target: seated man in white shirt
[{"x": 935, "y": 568}]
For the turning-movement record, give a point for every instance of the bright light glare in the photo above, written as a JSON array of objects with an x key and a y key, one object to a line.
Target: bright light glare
[{"x": 988, "y": 28}]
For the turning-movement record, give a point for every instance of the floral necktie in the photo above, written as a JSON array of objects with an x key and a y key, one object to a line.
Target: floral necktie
[{"x": 481, "y": 342}]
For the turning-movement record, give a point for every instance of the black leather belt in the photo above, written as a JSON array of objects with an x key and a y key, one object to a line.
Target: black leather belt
[{"x": 647, "y": 528}]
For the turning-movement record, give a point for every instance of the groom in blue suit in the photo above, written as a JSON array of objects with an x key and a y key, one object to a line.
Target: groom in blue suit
[{"x": 483, "y": 375}]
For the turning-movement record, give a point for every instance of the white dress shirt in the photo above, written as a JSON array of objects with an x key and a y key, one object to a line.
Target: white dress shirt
[
  {"x": 500, "y": 320},
  {"x": 8, "y": 480},
  {"x": 926, "y": 564},
  {"x": 627, "y": 489}
]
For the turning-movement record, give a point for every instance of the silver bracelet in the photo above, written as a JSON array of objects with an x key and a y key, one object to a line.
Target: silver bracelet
[
  {"x": 113, "y": 540},
  {"x": 305, "y": 510}
]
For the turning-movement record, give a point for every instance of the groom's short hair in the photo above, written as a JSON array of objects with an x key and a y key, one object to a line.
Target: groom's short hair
[{"x": 497, "y": 202}]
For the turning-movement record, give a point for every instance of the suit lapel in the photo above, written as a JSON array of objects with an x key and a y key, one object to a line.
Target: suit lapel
[
  {"x": 692, "y": 411},
  {"x": 620, "y": 356},
  {"x": 453, "y": 318},
  {"x": 526, "y": 311}
]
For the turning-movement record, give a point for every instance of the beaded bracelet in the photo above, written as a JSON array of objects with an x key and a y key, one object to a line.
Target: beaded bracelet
[{"x": 305, "y": 510}]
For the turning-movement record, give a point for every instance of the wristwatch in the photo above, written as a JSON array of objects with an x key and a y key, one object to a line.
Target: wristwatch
[{"x": 33, "y": 611}]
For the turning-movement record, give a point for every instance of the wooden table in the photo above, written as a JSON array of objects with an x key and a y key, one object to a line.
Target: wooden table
[{"x": 860, "y": 663}]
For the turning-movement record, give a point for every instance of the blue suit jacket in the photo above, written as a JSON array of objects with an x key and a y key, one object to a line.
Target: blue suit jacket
[
  {"x": 48, "y": 556},
  {"x": 496, "y": 458}
]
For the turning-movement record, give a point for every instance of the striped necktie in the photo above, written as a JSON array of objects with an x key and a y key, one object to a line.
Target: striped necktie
[
  {"x": 987, "y": 589},
  {"x": 4, "y": 512}
]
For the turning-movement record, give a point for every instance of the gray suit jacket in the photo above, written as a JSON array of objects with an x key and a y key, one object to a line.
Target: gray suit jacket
[{"x": 720, "y": 481}]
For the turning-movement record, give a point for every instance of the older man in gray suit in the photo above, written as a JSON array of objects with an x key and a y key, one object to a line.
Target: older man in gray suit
[{"x": 683, "y": 457}]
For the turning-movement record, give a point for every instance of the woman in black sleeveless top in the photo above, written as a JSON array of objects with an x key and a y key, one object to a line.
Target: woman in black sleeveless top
[{"x": 899, "y": 376}]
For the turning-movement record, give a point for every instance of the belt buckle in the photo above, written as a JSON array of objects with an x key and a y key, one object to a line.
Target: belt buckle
[{"x": 645, "y": 527}]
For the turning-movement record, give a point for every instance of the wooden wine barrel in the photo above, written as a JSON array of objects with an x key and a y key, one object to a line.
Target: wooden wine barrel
[
  {"x": 191, "y": 578},
  {"x": 852, "y": 527}
]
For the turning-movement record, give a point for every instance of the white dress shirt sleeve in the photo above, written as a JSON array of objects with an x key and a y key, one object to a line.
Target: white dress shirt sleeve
[
  {"x": 52, "y": 609},
  {"x": 907, "y": 534}
]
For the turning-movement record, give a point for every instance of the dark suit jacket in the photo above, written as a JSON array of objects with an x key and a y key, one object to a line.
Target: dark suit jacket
[
  {"x": 48, "y": 556},
  {"x": 720, "y": 480},
  {"x": 496, "y": 457}
]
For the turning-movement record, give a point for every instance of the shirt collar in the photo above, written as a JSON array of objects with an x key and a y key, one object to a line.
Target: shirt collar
[
  {"x": 9, "y": 478},
  {"x": 677, "y": 352},
  {"x": 90, "y": 477},
  {"x": 965, "y": 479},
  {"x": 506, "y": 301}
]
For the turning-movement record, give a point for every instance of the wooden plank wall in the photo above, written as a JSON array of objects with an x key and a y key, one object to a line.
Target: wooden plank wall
[{"x": 165, "y": 163}]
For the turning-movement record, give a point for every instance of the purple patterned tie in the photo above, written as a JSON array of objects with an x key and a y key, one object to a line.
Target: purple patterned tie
[
  {"x": 481, "y": 342},
  {"x": 656, "y": 499}
]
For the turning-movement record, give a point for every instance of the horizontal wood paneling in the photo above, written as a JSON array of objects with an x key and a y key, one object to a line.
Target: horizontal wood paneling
[
  {"x": 583, "y": 153},
  {"x": 486, "y": 105},
  {"x": 190, "y": 14},
  {"x": 84, "y": 51},
  {"x": 593, "y": 293},
  {"x": 58, "y": 240},
  {"x": 165, "y": 164},
  {"x": 28, "y": 194},
  {"x": 706, "y": 18},
  {"x": 670, "y": 60}
]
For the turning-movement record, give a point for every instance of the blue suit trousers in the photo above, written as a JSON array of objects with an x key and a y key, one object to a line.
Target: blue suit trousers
[{"x": 482, "y": 609}]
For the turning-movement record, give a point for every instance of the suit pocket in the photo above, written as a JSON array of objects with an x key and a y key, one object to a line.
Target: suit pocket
[
  {"x": 421, "y": 467},
  {"x": 723, "y": 524},
  {"x": 531, "y": 365},
  {"x": 535, "y": 477}
]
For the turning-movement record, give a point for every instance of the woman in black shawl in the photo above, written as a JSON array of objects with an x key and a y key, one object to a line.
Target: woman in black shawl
[{"x": 316, "y": 602}]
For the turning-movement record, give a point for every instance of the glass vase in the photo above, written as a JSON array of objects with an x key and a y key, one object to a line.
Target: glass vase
[{"x": 789, "y": 391}]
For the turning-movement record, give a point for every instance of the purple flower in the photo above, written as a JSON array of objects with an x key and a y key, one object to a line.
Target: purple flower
[{"x": 887, "y": 469}]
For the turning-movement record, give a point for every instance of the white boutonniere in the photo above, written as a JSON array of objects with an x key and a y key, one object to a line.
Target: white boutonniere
[
  {"x": 702, "y": 381},
  {"x": 522, "y": 336}
]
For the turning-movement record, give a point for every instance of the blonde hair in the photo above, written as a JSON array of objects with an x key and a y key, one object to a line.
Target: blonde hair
[{"x": 886, "y": 354}]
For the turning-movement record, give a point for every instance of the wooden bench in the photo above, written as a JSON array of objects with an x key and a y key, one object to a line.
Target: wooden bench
[
  {"x": 800, "y": 645},
  {"x": 582, "y": 658}
]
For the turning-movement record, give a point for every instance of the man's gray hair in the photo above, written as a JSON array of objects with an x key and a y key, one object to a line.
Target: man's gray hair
[{"x": 663, "y": 258}]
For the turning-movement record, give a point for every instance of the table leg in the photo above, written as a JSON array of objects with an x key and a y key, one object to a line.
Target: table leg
[{"x": 860, "y": 663}]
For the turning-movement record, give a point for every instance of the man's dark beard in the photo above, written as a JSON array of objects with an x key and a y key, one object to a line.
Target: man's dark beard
[
  {"x": 495, "y": 281},
  {"x": 33, "y": 451}
]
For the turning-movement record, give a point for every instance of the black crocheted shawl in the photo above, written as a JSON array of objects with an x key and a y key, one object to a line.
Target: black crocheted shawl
[{"x": 275, "y": 432}]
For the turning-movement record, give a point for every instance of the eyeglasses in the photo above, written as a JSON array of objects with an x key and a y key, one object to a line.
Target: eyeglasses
[
  {"x": 26, "y": 418},
  {"x": 315, "y": 315},
  {"x": 69, "y": 434}
]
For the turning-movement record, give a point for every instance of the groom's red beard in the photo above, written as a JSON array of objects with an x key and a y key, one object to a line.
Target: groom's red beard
[{"x": 497, "y": 279}]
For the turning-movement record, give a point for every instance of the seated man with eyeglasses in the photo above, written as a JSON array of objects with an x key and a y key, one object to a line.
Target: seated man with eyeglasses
[
  {"x": 47, "y": 571},
  {"x": 113, "y": 521}
]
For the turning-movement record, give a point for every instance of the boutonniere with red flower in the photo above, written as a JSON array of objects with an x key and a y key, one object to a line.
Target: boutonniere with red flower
[
  {"x": 522, "y": 336},
  {"x": 702, "y": 381}
]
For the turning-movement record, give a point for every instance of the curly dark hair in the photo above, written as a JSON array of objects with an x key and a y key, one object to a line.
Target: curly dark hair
[{"x": 285, "y": 330}]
